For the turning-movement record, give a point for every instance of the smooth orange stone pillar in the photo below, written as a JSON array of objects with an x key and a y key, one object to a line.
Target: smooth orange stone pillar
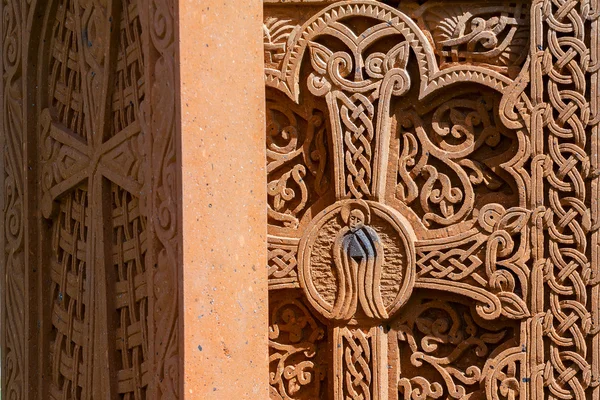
[{"x": 224, "y": 278}]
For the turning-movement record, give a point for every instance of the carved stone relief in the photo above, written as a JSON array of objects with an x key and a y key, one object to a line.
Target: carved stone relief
[
  {"x": 95, "y": 312},
  {"x": 433, "y": 185},
  {"x": 297, "y": 349},
  {"x": 457, "y": 254}
]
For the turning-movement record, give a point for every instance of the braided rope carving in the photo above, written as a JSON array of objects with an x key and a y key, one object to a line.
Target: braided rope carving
[
  {"x": 357, "y": 118},
  {"x": 566, "y": 123},
  {"x": 357, "y": 360}
]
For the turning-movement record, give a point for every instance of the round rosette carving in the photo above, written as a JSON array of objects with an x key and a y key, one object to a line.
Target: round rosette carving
[{"x": 357, "y": 261}]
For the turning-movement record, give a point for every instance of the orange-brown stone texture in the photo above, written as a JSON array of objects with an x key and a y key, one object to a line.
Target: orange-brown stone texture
[
  {"x": 225, "y": 294},
  {"x": 431, "y": 177}
]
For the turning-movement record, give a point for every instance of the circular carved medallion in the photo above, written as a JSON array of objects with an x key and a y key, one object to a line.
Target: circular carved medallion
[{"x": 357, "y": 261}]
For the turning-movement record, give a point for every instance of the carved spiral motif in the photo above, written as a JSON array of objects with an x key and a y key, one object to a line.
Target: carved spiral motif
[
  {"x": 296, "y": 365},
  {"x": 453, "y": 165},
  {"x": 13, "y": 186},
  {"x": 297, "y": 159},
  {"x": 447, "y": 352}
]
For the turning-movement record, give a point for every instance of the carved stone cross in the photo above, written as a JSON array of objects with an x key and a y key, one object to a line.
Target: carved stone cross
[
  {"x": 91, "y": 178},
  {"x": 434, "y": 213}
]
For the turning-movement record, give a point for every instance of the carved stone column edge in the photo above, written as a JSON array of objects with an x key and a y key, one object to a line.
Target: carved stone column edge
[
  {"x": 224, "y": 279},
  {"x": 3, "y": 150},
  {"x": 160, "y": 127}
]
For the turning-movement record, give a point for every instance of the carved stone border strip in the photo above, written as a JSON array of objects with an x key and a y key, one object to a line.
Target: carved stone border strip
[
  {"x": 14, "y": 291},
  {"x": 160, "y": 132},
  {"x": 595, "y": 188},
  {"x": 564, "y": 92}
]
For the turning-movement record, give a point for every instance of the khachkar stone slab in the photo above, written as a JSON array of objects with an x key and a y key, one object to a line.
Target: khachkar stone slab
[{"x": 432, "y": 177}]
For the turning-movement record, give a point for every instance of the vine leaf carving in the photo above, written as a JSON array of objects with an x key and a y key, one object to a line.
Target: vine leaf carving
[
  {"x": 448, "y": 350},
  {"x": 297, "y": 368}
]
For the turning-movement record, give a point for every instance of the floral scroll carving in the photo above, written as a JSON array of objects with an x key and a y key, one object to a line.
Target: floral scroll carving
[
  {"x": 13, "y": 203},
  {"x": 446, "y": 351},
  {"x": 298, "y": 155},
  {"x": 159, "y": 122},
  {"x": 297, "y": 342},
  {"x": 454, "y": 159}
]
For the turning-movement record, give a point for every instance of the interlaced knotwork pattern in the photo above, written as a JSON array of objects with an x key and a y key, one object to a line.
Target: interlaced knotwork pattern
[
  {"x": 569, "y": 126},
  {"x": 131, "y": 294},
  {"x": 129, "y": 90},
  {"x": 357, "y": 362},
  {"x": 69, "y": 271},
  {"x": 357, "y": 115},
  {"x": 64, "y": 80}
]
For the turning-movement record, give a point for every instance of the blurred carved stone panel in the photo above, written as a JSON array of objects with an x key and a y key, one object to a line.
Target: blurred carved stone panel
[
  {"x": 91, "y": 251},
  {"x": 455, "y": 253}
]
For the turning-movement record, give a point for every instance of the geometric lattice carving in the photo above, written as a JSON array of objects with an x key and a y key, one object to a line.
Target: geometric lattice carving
[
  {"x": 78, "y": 149},
  {"x": 129, "y": 87},
  {"x": 131, "y": 294},
  {"x": 65, "y": 75},
  {"x": 70, "y": 297},
  {"x": 82, "y": 148},
  {"x": 129, "y": 222}
]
